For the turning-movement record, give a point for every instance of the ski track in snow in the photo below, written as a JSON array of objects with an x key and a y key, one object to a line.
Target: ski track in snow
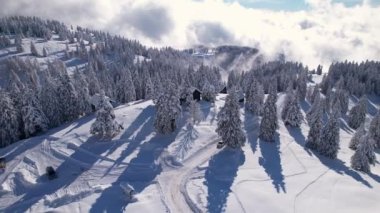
[{"x": 177, "y": 197}]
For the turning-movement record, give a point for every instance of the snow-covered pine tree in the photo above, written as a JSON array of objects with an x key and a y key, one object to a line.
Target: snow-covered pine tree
[
  {"x": 167, "y": 110},
  {"x": 149, "y": 89},
  {"x": 356, "y": 138},
  {"x": 105, "y": 124},
  {"x": 250, "y": 96},
  {"x": 374, "y": 129},
  {"x": 302, "y": 85},
  {"x": 18, "y": 43},
  {"x": 315, "y": 131},
  {"x": 208, "y": 92},
  {"x": 314, "y": 94},
  {"x": 292, "y": 111},
  {"x": 33, "y": 49},
  {"x": 50, "y": 103},
  {"x": 286, "y": 102},
  {"x": 229, "y": 123},
  {"x": 9, "y": 131},
  {"x": 341, "y": 96},
  {"x": 269, "y": 121},
  {"x": 125, "y": 89},
  {"x": 68, "y": 97},
  {"x": 45, "y": 52},
  {"x": 254, "y": 98},
  {"x": 81, "y": 87},
  {"x": 364, "y": 155},
  {"x": 33, "y": 118},
  {"x": 314, "y": 108},
  {"x": 357, "y": 114},
  {"x": 329, "y": 144},
  {"x": 319, "y": 70}
]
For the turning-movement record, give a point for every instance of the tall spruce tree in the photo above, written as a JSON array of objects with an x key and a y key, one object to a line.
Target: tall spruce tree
[
  {"x": 329, "y": 144},
  {"x": 229, "y": 123},
  {"x": 374, "y": 129},
  {"x": 315, "y": 108},
  {"x": 33, "y": 118},
  {"x": 9, "y": 122},
  {"x": 364, "y": 155},
  {"x": 354, "y": 142},
  {"x": 357, "y": 113},
  {"x": 269, "y": 121},
  {"x": 291, "y": 112},
  {"x": 208, "y": 92},
  {"x": 167, "y": 110},
  {"x": 105, "y": 124},
  {"x": 314, "y": 137}
]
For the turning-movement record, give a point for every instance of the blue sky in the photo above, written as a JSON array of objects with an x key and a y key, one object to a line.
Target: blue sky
[{"x": 291, "y": 5}]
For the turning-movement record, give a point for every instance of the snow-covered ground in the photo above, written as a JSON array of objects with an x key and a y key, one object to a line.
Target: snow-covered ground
[{"x": 183, "y": 171}]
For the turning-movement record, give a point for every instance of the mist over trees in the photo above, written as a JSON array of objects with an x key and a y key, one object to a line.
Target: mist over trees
[{"x": 36, "y": 96}]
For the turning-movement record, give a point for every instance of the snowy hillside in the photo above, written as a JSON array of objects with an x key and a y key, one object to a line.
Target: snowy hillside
[{"x": 183, "y": 171}]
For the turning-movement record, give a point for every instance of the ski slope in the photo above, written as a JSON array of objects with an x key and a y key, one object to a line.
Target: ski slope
[{"x": 183, "y": 171}]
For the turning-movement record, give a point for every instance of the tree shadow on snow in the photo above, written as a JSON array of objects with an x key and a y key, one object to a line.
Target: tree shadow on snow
[
  {"x": 140, "y": 173},
  {"x": 339, "y": 167},
  {"x": 298, "y": 137},
  {"x": 305, "y": 106},
  {"x": 271, "y": 161},
  {"x": 73, "y": 167},
  {"x": 343, "y": 121},
  {"x": 251, "y": 127},
  {"x": 143, "y": 124},
  {"x": 220, "y": 175},
  {"x": 205, "y": 108}
]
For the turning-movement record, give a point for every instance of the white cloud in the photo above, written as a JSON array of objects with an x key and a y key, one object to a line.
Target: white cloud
[{"x": 324, "y": 33}]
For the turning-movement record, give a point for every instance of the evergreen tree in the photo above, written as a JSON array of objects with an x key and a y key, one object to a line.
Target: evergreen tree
[
  {"x": 45, "y": 52},
  {"x": 302, "y": 85},
  {"x": 291, "y": 112},
  {"x": 269, "y": 121},
  {"x": 315, "y": 108},
  {"x": 250, "y": 96},
  {"x": 364, "y": 155},
  {"x": 50, "y": 103},
  {"x": 33, "y": 118},
  {"x": 374, "y": 129},
  {"x": 314, "y": 137},
  {"x": 254, "y": 98},
  {"x": 229, "y": 123},
  {"x": 167, "y": 110},
  {"x": 149, "y": 89},
  {"x": 105, "y": 124},
  {"x": 125, "y": 90},
  {"x": 341, "y": 97},
  {"x": 208, "y": 92},
  {"x": 83, "y": 93},
  {"x": 18, "y": 43},
  {"x": 357, "y": 114},
  {"x": 33, "y": 49},
  {"x": 329, "y": 144},
  {"x": 9, "y": 131},
  {"x": 356, "y": 138},
  {"x": 68, "y": 97}
]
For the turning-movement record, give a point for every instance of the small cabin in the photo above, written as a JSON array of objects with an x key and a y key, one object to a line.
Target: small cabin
[
  {"x": 51, "y": 173},
  {"x": 197, "y": 95},
  {"x": 2, "y": 163},
  {"x": 128, "y": 190},
  {"x": 224, "y": 90}
]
